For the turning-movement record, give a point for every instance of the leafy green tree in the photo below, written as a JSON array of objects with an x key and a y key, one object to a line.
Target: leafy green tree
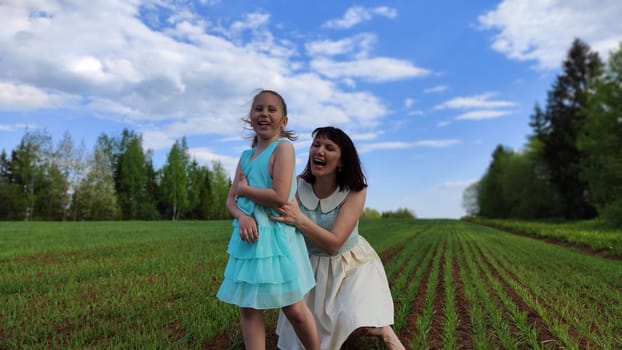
[
  {"x": 601, "y": 141},
  {"x": 491, "y": 200},
  {"x": 132, "y": 181},
  {"x": 11, "y": 196},
  {"x": 526, "y": 189},
  {"x": 96, "y": 197},
  {"x": 175, "y": 181},
  {"x": 199, "y": 190},
  {"x": 515, "y": 185},
  {"x": 148, "y": 208},
  {"x": 71, "y": 162},
  {"x": 111, "y": 147},
  {"x": 219, "y": 186},
  {"x": 371, "y": 213},
  {"x": 51, "y": 189},
  {"x": 28, "y": 165},
  {"x": 469, "y": 199},
  {"x": 134, "y": 175},
  {"x": 559, "y": 126},
  {"x": 400, "y": 213}
]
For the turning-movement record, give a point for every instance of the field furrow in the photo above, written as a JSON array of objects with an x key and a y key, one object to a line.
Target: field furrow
[{"x": 464, "y": 327}]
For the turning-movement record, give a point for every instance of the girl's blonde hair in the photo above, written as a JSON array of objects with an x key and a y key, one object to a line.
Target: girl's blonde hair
[{"x": 289, "y": 134}]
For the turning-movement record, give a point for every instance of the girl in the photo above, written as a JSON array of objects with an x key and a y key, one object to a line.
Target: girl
[{"x": 268, "y": 265}]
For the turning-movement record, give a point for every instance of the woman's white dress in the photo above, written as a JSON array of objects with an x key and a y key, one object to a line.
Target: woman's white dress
[{"x": 351, "y": 287}]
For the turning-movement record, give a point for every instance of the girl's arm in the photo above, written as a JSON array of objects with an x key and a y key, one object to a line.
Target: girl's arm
[
  {"x": 329, "y": 241},
  {"x": 281, "y": 165},
  {"x": 247, "y": 224}
]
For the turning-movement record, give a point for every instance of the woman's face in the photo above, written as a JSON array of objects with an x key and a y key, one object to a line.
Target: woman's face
[{"x": 324, "y": 157}]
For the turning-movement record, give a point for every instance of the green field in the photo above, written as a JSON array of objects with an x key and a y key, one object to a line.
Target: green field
[{"x": 151, "y": 285}]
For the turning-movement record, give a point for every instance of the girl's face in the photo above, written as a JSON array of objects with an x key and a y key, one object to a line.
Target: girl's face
[
  {"x": 324, "y": 157},
  {"x": 267, "y": 118}
]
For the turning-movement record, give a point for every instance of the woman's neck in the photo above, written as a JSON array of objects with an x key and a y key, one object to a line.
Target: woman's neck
[{"x": 324, "y": 186}]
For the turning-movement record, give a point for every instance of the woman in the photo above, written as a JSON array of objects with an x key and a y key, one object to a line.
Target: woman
[{"x": 352, "y": 292}]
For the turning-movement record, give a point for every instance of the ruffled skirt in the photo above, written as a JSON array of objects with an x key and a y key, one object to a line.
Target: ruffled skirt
[
  {"x": 351, "y": 291},
  {"x": 271, "y": 273}
]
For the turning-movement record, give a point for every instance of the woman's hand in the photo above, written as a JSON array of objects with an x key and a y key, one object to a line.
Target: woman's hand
[
  {"x": 248, "y": 229},
  {"x": 290, "y": 214}
]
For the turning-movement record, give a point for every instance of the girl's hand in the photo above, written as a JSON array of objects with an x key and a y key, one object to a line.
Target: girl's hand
[
  {"x": 242, "y": 184},
  {"x": 248, "y": 229},
  {"x": 290, "y": 213}
]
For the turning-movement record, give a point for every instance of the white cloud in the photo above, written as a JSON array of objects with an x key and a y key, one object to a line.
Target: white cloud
[
  {"x": 366, "y": 136},
  {"x": 13, "y": 127},
  {"x": 359, "y": 45},
  {"x": 250, "y": 21},
  {"x": 370, "y": 147},
  {"x": 358, "y": 64},
  {"x": 358, "y": 14},
  {"x": 379, "y": 69},
  {"x": 21, "y": 96},
  {"x": 482, "y": 114},
  {"x": 437, "y": 143},
  {"x": 436, "y": 89},
  {"x": 477, "y": 101},
  {"x": 207, "y": 156},
  {"x": 542, "y": 31}
]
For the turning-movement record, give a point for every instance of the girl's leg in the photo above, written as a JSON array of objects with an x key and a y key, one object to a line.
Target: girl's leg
[
  {"x": 253, "y": 329},
  {"x": 388, "y": 336},
  {"x": 303, "y": 322}
]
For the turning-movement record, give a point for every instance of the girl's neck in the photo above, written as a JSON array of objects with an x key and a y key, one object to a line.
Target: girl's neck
[{"x": 263, "y": 143}]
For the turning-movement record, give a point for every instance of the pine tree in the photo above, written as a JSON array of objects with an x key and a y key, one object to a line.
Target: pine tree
[{"x": 560, "y": 125}]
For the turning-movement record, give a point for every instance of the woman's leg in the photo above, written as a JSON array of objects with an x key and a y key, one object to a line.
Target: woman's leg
[
  {"x": 253, "y": 329},
  {"x": 303, "y": 322}
]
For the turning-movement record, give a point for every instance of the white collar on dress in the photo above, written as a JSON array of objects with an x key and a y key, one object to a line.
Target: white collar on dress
[{"x": 310, "y": 201}]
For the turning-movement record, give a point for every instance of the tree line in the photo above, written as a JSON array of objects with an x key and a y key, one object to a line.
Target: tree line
[
  {"x": 43, "y": 180},
  {"x": 571, "y": 166}
]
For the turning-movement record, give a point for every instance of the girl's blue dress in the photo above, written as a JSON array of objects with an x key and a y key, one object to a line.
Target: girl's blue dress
[{"x": 274, "y": 271}]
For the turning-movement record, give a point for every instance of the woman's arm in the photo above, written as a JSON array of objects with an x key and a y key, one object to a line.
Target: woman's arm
[
  {"x": 329, "y": 241},
  {"x": 281, "y": 169}
]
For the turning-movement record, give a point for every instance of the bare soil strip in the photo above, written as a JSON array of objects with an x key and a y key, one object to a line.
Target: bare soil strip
[
  {"x": 435, "y": 337},
  {"x": 463, "y": 333},
  {"x": 390, "y": 253},
  {"x": 407, "y": 334}
]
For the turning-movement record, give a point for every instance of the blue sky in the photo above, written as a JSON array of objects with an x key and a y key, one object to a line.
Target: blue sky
[{"x": 426, "y": 89}]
